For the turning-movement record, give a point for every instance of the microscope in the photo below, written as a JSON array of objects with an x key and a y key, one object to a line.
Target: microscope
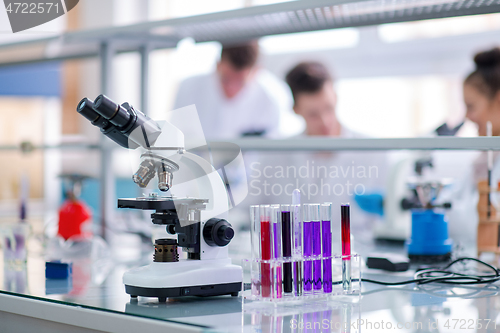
[
  {"x": 429, "y": 241},
  {"x": 193, "y": 208}
]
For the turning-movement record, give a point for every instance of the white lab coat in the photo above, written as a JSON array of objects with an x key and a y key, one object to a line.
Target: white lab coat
[
  {"x": 258, "y": 107},
  {"x": 321, "y": 176}
]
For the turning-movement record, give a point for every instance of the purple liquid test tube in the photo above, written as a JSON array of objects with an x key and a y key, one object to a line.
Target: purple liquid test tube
[
  {"x": 286, "y": 236},
  {"x": 277, "y": 254},
  {"x": 308, "y": 249},
  {"x": 314, "y": 215},
  {"x": 326, "y": 226}
]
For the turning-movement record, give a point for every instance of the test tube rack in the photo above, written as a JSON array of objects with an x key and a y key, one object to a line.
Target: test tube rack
[
  {"x": 292, "y": 258},
  {"x": 254, "y": 266},
  {"x": 315, "y": 316}
]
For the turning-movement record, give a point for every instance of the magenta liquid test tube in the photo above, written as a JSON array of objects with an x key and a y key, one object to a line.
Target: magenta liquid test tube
[
  {"x": 314, "y": 215},
  {"x": 265, "y": 251},
  {"x": 277, "y": 274},
  {"x": 308, "y": 249},
  {"x": 297, "y": 249},
  {"x": 326, "y": 233},
  {"x": 346, "y": 246},
  {"x": 286, "y": 236}
]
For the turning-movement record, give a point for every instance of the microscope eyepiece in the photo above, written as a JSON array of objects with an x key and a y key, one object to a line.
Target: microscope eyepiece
[
  {"x": 112, "y": 111},
  {"x": 86, "y": 109}
]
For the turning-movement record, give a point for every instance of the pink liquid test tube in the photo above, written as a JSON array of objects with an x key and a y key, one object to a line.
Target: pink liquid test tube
[
  {"x": 345, "y": 221},
  {"x": 265, "y": 250}
]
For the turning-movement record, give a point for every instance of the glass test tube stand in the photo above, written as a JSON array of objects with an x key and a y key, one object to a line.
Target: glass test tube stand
[
  {"x": 334, "y": 317},
  {"x": 338, "y": 291}
]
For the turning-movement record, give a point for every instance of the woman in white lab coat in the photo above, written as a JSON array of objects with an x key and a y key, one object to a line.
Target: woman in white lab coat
[{"x": 481, "y": 91}]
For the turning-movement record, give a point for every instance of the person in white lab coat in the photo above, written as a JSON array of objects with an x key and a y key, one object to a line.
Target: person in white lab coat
[
  {"x": 481, "y": 93},
  {"x": 321, "y": 176},
  {"x": 315, "y": 99},
  {"x": 238, "y": 99}
]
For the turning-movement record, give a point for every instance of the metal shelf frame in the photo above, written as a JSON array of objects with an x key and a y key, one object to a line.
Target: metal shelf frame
[
  {"x": 321, "y": 144},
  {"x": 340, "y": 144},
  {"x": 240, "y": 24},
  {"x": 244, "y": 24}
]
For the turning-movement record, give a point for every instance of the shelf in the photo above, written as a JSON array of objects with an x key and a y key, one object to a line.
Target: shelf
[
  {"x": 328, "y": 144},
  {"x": 334, "y": 144},
  {"x": 320, "y": 144},
  {"x": 241, "y": 24}
]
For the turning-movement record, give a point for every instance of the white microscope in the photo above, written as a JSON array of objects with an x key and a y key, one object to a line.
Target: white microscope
[{"x": 193, "y": 210}]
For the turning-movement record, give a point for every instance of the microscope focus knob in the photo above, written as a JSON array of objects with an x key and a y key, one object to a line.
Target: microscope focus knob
[{"x": 218, "y": 232}]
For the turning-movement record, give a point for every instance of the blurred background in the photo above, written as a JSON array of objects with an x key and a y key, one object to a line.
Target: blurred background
[{"x": 401, "y": 80}]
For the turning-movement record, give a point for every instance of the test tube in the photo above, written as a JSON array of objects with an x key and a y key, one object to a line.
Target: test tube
[
  {"x": 297, "y": 248},
  {"x": 314, "y": 215},
  {"x": 255, "y": 248},
  {"x": 326, "y": 233},
  {"x": 346, "y": 247},
  {"x": 265, "y": 250},
  {"x": 286, "y": 234},
  {"x": 255, "y": 231},
  {"x": 489, "y": 131},
  {"x": 308, "y": 249},
  {"x": 277, "y": 274}
]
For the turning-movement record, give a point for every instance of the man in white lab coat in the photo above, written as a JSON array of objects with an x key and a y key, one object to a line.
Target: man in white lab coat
[
  {"x": 321, "y": 176},
  {"x": 238, "y": 99},
  {"x": 315, "y": 99}
]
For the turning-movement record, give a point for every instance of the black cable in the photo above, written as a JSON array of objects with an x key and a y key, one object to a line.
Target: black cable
[
  {"x": 446, "y": 276},
  {"x": 427, "y": 276},
  {"x": 474, "y": 292}
]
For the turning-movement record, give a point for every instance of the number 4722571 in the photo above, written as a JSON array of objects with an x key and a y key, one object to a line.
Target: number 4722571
[
  {"x": 461, "y": 324},
  {"x": 32, "y": 8}
]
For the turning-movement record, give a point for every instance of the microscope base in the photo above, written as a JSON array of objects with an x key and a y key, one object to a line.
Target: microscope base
[
  {"x": 184, "y": 278},
  {"x": 207, "y": 290}
]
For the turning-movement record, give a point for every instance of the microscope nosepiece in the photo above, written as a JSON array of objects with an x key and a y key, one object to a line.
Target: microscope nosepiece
[
  {"x": 165, "y": 176},
  {"x": 145, "y": 173},
  {"x": 164, "y": 180}
]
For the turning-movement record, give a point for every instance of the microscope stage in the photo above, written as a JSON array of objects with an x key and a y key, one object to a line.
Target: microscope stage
[{"x": 159, "y": 203}]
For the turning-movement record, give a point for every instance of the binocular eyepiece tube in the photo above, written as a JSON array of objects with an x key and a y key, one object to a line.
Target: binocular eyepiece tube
[
  {"x": 116, "y": 113},
  {"x": 128, "y": 127}
]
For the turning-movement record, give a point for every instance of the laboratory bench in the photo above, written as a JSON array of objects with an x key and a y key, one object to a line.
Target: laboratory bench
[{"x": 94, "y": 299}]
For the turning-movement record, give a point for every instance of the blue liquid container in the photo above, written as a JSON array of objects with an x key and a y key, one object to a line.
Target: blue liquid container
[{"x": 429, "y": 234}]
